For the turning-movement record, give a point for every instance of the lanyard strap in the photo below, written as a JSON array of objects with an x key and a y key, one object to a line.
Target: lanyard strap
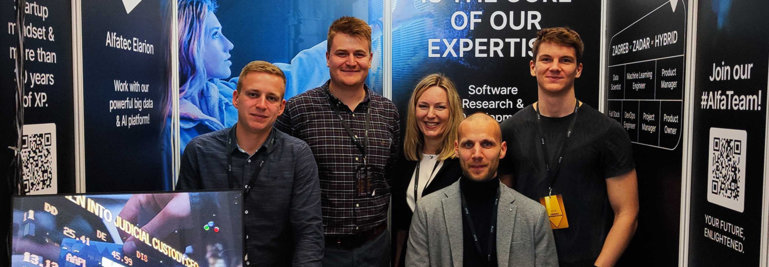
[
  {"x": 362, "y": 146},
  {"x": 416, "y": 180},
  {"x": 252, "y": 181},
  {"x": 552, "y": 171},
  {"x": 363, "y": 181},
  {"x": 492, "y": 226}
]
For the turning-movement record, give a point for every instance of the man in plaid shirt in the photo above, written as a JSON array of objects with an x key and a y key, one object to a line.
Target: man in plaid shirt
[{"x": 353, "y": 134}]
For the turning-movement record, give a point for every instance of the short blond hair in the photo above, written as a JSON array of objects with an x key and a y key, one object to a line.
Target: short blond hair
[{"x": 260, "y": 66}]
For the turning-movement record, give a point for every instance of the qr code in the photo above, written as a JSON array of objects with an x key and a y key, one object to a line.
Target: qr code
[
  {"x": 726, "y": 168},
  {"x": 38, "y": 158}
]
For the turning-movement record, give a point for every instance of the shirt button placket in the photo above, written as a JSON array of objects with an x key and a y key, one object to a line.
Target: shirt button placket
[{"x": 357, "y": 207}]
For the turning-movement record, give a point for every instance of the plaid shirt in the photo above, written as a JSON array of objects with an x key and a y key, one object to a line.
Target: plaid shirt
[{"x": 311, "y": 117}]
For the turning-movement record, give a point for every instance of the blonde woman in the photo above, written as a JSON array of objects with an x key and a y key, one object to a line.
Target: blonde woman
[{"x": 428, "y": 163}]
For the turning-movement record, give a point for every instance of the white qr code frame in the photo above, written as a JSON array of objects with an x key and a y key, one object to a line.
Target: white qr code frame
[
  {"x": 34, "y": 173},
  {"x": 727, "y": 154}
]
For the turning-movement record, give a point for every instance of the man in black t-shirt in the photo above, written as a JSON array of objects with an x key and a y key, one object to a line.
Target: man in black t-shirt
[{"x": 572, "y": 158}]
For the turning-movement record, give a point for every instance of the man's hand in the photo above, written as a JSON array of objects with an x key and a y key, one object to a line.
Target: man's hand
[{"x": 169, "y": 213}]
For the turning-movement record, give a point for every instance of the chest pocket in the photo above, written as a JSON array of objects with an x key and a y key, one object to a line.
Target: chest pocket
[
  {"x": 272, "y": 186},
  {"x": 279, "y": 174}
]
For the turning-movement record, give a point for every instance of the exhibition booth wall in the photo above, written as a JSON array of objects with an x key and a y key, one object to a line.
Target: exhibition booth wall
[{"x": 113, "y": 91}]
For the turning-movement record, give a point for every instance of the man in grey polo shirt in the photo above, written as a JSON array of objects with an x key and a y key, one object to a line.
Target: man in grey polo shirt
[{"x": 282, "y": 216}]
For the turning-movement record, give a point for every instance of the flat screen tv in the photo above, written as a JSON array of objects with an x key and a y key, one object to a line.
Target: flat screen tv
[{"x": 192, "y": 229}]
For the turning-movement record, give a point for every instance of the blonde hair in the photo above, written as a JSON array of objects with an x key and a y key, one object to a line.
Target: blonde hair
[
  {"x": 260, "y": 66},
  {"x": 191, "y": 17},
  {"x": 413, "y": 142}
]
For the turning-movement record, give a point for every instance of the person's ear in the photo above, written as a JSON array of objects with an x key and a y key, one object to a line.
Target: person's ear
[
  {"x": 579, "y": 70},
  {"x": 282, "y": 107},
  {"x": 456, "y": 147},
  {"x": 503, "y": 150},
  {"x": 531, "y": 68},
  {"x": 235, "y": 98},
  {"x": 370, "y": 58}
]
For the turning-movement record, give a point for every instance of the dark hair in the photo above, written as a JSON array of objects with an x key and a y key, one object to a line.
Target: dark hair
[{"x": 562, "y": 36}]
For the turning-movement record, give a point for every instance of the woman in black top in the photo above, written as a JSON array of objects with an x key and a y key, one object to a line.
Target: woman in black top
[{"x": 428, "y": 163}]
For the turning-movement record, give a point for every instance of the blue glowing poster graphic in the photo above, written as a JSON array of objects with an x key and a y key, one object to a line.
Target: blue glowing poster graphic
[{"x": 291, "y": 34}]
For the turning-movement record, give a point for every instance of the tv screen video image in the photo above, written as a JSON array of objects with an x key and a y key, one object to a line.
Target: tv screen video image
[{"x": 190, "y": 229}]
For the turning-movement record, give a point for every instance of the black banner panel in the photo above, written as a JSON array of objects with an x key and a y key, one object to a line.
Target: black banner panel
[
  {"x": 48, "y": 139},
  {"x": 728, "y": 133},
  {"x": 646, "y": 53},
  {"x": 126, "y": 81}
]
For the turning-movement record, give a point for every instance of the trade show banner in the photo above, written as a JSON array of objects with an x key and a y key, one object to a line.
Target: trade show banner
[
  {"x": 48, "y": 139},
  {"x": 292, "y": 34},
  {"x": 485, "y": 48},
  {"x": 646, "y": 59},
  {"x": 729, "y": 133},
  {"x": 126, "y": 78}
]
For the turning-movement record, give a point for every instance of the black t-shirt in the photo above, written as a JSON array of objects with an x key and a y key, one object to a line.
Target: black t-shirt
[{"x": 599, "y": 148}]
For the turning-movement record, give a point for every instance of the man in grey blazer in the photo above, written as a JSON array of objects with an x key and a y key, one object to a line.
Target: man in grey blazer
[{"x": 456, "y": 226}]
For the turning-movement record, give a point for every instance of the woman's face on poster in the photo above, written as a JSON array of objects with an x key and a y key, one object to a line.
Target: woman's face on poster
[{"x": 215, "y": 49}]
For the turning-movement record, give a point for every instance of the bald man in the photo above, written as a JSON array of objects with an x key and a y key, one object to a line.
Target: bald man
[{"x": 483, "y": 219}]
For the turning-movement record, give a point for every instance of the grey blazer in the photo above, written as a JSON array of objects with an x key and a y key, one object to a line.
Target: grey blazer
[{"x": 524, "y": 237}]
